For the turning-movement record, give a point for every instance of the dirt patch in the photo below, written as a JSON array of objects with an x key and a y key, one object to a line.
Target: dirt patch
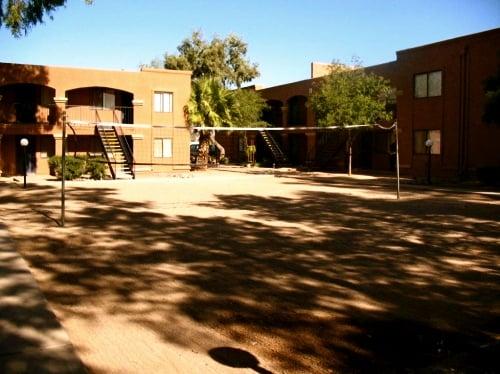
[{"x": 279, "y": 271}]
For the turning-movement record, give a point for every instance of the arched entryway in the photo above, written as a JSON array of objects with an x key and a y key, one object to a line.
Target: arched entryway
[{"x": 273, "y": 114}]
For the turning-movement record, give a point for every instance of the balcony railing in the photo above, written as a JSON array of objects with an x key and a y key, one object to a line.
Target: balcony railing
[
  {"x": 92, "y": 114},
  {"x": 28, "y": 113}
]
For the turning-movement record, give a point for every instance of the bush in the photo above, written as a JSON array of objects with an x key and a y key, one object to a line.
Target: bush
[
  {"x": 96, "y": 168},
  {"x": 75, "y": 167}
]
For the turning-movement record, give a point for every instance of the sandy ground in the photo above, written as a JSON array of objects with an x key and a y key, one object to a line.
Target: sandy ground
[{"x": 242, "y": 270}]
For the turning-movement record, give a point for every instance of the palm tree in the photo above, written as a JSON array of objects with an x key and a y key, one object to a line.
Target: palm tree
[{"x": 210, "y": 105}]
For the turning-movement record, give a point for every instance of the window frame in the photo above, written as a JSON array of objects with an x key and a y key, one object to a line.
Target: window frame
[
  {"x": 427, "y": 85},
  {"x": 162, "y": 107},
  {"x": 166, "y": 147},
  {"x": 103, "y": 98}
]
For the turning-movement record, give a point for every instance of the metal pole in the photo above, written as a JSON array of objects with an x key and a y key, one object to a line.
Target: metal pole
[
  {"x": 397, "y": 159},
  {"x": 429, "y": 166},
  {"x": 25, "y": 166},
  {"x": 63, "y": 170},
  {"x": 350, "y": 153}
]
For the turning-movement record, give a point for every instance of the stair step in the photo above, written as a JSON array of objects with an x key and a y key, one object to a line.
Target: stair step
[{"x": 115, "y": 153}]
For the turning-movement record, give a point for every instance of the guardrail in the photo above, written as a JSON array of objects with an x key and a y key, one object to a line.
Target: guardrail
[{"x": 118, "y": 114}]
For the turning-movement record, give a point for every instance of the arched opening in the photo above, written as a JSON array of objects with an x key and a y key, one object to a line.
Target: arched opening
[
  {"x": 273, "y": 113},
  {"x": 297, "y": 111},
  {"x": 27, "y": 103},
  {"x": 100, "y": 104}
]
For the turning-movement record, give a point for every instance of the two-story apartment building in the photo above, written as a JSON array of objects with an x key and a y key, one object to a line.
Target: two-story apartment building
[
  {"x": 135, "y": 119},
  {"x": 440, "y": 96}
]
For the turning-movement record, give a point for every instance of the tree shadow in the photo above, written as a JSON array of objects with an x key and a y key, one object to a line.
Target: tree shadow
[
  {"x": 21, "y": 73},
  {"x": 26, "y": 98},
  {"x": 318, "y": 282},
  {"x": 31, "y": 339}
]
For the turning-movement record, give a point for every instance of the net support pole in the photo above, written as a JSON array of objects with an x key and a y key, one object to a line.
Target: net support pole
[
  {"x": 61, "y": 105},
  {"x": 397, "y": 160},
  {"x": 63, "y": 170}
]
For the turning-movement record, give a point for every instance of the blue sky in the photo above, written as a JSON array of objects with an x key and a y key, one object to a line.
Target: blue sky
[{"x": 283, "y": 36}]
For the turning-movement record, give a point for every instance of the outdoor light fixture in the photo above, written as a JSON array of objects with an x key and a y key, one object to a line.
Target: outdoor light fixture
[
  {"x": 428, "y": 144},
  {"x": 24, "y": 143}
]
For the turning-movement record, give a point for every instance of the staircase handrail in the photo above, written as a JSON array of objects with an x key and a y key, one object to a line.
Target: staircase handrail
[
  {"x": 275, "y": 144},
  {"x": 127, "y": 150},
  {"x": 275, "y": 148},
  {"x": 111, "y": 169}
]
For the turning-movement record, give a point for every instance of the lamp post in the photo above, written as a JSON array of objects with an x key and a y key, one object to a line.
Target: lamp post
[
  {"x": 63, "y": 170},
  {"x": 61, "y": 104},
  {"x": 428, "y": 144},
  {"x": 396, "y": 130},
  {"x": 24, "y": 143}
]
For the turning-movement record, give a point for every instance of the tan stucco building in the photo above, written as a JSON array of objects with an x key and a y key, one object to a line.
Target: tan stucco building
[{"x": 134, "y": 119}]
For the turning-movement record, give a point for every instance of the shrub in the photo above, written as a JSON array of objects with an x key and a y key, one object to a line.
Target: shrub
[
  {"x": 96, "y": 168},
  {"x": 250, "y": 151},
  {"x": 75, "y": 167}
]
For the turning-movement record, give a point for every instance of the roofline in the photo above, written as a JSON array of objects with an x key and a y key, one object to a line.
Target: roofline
[
  {"x": 380, "y": 65},
  {"x": 447, "y": 41},
  {"x": 170, "y": 71},
  {"x": 290, "y": 83},
  {"x": 319, "y": 78},
  {"x": 149, "y": 70}
]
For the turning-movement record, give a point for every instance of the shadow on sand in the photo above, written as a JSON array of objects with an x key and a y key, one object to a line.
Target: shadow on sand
[{"x": 320, "y": 282}]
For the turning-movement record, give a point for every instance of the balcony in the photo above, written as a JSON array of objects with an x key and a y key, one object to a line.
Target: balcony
[
  {"x": 94, "y": 115},
  {"x": 27, "y": 113}
]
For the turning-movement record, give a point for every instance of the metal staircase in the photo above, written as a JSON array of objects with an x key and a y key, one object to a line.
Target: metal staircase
[
  {"x": 279, "y": 156},
  {"x": 117, "y": 152}
]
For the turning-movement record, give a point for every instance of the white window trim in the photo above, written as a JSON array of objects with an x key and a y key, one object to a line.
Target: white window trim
[
  {"x": 427, "y": 75},
  {"x": 166, "y": 148},
  {"x": 160, "y": 104}
]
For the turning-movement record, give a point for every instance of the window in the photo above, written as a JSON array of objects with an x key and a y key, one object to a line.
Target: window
[
  {"x": 108, "y": 100},
  {"x": 163, "y": 102},
  {"x": 421, "y": 136},
  {"x": 162, "y": 147},
  {"x": 103, "y": 98},
  {"x": 428, "y": 84}
]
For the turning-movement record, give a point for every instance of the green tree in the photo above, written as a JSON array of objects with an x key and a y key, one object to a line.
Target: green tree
[
  {"x": 247, "y": 108},
  {"x": 217, "y": 66},
  {"x": 224, "y": 59},
  {"x": 213, "y": 105},
  {"x": 210, "y": 105},
  {"x": 349, "y": 96},
  {"x": 20, "y": 15}
]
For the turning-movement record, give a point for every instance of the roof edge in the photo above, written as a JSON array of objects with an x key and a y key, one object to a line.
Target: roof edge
[{"x": 452, "y": 40}]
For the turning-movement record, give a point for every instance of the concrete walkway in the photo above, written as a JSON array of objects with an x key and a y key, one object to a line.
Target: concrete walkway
[{"x": 31, "y": 338}]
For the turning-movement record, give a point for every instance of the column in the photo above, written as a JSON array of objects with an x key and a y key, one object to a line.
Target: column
[
  {"x": 310, "y": 115},
  {"x": 60, "y": 112},
  {"x": 284, "y": 135},
  {"x": 284, "y": 112},
  {"x": 137, "y": 111},
  {"x": 311, "y": 147}
]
